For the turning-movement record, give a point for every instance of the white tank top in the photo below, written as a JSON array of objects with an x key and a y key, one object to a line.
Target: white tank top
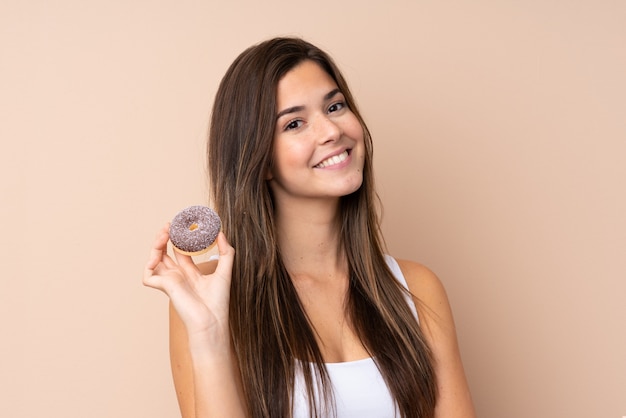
[{"x": 358, "y": 386}]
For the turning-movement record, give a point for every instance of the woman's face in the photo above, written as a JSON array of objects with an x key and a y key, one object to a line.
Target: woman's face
[{"x": 319, "y": 150}]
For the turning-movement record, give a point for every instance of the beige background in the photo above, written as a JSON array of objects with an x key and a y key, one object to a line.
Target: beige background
[{"x": 500, "y": 146}]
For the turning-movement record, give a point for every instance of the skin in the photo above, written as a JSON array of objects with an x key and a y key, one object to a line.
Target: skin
[
  {"x": 207, "y": 370},
  {"x": 312, "y": 125}
]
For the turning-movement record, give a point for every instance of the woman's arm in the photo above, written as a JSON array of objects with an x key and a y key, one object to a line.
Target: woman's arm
[
  {"x": 182, "y": 366},
  {"x": 207, "y": 384},
  {"x": 205, "y": 372},
  {"x": 437, "y": 323}
]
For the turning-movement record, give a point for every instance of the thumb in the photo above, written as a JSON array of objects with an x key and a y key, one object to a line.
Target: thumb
[{"x": 227, "y": 257}]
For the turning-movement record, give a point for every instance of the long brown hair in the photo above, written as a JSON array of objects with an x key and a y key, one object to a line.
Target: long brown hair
[{"x": 269, "y": 327}]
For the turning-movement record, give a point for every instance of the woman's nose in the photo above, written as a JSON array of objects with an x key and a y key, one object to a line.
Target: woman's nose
[{"x": 329, "y": 130}]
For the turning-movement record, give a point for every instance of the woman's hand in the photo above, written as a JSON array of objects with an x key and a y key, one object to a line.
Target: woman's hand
[
  {"x": 200, "y": 300},
  {"x": 206, "y": 374}
]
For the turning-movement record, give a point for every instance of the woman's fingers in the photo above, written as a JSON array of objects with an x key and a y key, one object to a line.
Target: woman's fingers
[
  {"x": 201, "y": 301},
  {"x": 171, "y": 274},
  {"x": 160, "y": 264},
  {"x": 186, "y": 263},
  {"x": 157, "y": 252},
  {"x": 227, "y": 255}
]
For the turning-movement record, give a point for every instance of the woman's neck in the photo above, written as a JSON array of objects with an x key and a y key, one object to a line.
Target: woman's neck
[{"x": 309, "y": 236}]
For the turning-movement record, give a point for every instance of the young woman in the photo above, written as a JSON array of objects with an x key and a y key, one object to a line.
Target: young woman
[{"x": 309, "y": 318}]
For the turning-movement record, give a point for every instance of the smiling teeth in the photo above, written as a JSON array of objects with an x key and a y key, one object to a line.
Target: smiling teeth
[{"x": 333, "y": 160}]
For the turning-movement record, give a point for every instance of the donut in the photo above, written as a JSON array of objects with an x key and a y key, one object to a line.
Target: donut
[{"x": 194, "y": 229}]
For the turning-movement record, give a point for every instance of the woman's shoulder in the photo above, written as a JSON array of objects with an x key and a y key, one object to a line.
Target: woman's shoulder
[
  {"x": 437, "y": 323},
  {"x": 419, "y": 277},
  {"x": 424, "y": 285}
]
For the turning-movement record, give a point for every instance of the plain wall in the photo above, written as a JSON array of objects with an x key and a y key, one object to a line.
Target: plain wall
[{"x": 500, "y": 154}]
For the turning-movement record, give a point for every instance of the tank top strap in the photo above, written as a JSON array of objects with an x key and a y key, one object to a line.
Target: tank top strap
[{"x": 395, "y": 269}]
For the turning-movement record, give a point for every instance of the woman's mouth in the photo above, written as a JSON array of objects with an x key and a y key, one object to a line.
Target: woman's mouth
[{"x": 336, "y": 159}]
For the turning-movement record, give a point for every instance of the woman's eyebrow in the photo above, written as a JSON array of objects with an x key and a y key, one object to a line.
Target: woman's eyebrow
[
  {"x": 331, "y": 93},
  {"x": 295, "y": 109}
]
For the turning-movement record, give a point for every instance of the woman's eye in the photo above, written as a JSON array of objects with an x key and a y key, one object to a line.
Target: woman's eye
[
  {"x": 294, "y": 124},
  {"x": 336, "y": 106}
]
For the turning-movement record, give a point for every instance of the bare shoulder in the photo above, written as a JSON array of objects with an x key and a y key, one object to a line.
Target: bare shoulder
[
  {"x": 437, "y": 323},
  {"x": 416, "y": 273},
  {"x": 425, "y": 286}
]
